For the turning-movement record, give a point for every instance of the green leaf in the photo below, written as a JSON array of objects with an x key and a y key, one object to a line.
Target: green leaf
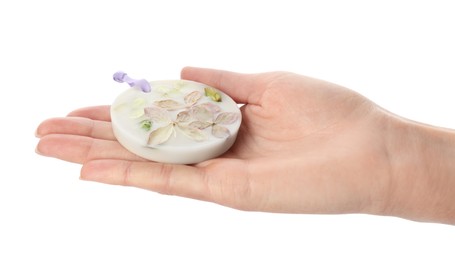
[
  {"x": 146, "y": 124},
  {"x": 213, "y": 94},
  {"x": 136, "y": 113},
  {"x": 160, "y": 135},
  {"x": 167, "y": 91},
  {"x": 138, "y": 102}
]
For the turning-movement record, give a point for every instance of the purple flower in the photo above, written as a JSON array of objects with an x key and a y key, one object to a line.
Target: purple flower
[{"x": 141, "y": 84}]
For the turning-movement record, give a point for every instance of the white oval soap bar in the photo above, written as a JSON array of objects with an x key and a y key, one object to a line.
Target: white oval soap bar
[{"x": 178, "y": 121}]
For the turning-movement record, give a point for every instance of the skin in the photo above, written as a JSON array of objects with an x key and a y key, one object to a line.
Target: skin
[{"x": 304, "y": 146}]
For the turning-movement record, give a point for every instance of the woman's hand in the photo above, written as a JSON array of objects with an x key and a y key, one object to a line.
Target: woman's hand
[{"x": 304, "y": 146}]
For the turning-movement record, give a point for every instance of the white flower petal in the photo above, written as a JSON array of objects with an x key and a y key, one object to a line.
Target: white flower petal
[
  {"x": 226, "y": 118},
  {"x": 215, "y": 109},
  {"x": 138, "y": 102},
  {"x": 200, "y": 125},
  {"x": 169, "y": 104},
  {"x": 192, "y": 98},
  {"x": 201, "y": 113},
  {"x": 193, "y": 133},
  {"x": 220, "y": 131},
  {"x": 157, "y": 114},
  {"x": 136, "y": 113},
  {"x": 183, "y": 116},
  {"x": 160, "y": 135}
]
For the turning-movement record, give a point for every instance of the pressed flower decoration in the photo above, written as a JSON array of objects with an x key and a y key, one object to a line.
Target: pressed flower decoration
[
  {"x": 213, "y": 94},
  {"x": 162, "y": 134},
  {"x": 179, "y": 112},
  {"x": 205, "y": 118}
]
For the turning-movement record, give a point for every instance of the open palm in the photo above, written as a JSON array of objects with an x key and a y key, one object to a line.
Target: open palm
[{"x": 304, "y": 146}]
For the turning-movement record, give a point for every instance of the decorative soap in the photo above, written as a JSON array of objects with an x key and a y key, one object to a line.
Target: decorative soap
[{"x": 174, "y": 121}]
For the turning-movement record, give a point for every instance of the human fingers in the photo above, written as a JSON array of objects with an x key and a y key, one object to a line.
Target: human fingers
[
  {"x": 80, "y": 149},
  {"x": 172, "y": 179},
  {"x": 243, "y": 88},
  {"x": 76, "y": 126},
  {"x": 222, "y": 181},
  {"x": 101, "y": 113}
]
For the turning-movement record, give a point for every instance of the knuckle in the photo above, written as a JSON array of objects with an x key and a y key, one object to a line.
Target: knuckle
[
  {"x": 126, "y": 180},
  {"x": 165, "y": 174}
]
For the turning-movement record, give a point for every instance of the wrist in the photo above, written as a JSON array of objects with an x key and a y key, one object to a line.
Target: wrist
[{"x": 422, "y": 170}]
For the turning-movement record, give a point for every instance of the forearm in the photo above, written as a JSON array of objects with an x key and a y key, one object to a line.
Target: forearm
[{"x": 422, "y": 160}]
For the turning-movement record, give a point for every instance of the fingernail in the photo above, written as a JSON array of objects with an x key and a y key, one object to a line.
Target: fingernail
[{"x": 37, "y": 135}]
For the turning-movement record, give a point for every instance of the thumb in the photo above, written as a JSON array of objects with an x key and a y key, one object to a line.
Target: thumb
[{"x": 243, "y": 88}]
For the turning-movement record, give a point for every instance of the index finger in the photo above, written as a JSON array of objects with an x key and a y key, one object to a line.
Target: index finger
[{"x": 101, "y": 113}]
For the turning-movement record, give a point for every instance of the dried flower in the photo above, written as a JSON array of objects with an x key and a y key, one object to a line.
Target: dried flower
[
  {"x": 206, "y": 118},
  {"x": 190, "y": 100},
  {"x": 166, "y": 91},
  {"x": 213, "y": 94},
  {"x": 162, "y": 134},
  {"x": 146, "y": 124}
]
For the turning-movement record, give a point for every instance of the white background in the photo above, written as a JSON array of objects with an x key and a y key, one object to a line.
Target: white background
[{"x": 56, "y": 56}]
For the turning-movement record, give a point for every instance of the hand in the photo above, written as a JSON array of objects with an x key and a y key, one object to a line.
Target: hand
[{"x": 304, "y": 146}]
